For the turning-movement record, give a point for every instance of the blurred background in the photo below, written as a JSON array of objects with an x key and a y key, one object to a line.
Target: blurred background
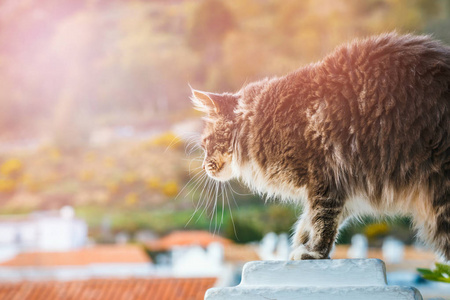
[{"x": 100, "y": 183}]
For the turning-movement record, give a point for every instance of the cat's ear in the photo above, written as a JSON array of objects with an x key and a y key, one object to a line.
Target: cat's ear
[
  {"x": 214, "y": 104},
  {"x": 205, "y": 102}
]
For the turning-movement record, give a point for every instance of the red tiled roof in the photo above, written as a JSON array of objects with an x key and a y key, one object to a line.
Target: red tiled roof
[
  {"x": 85, "y": 256},
  {"x": 240, "y": 253},
  {"x": 120, "y": 289},
  {"x": 186, "y": 238}
]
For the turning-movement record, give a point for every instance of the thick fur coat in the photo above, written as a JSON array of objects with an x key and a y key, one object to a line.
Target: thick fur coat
[{"x": 364, "y": 131}]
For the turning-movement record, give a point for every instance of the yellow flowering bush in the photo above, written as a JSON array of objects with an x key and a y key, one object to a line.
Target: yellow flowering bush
[
  {"x": 7, "y": 185},
  {"x": 130, "y": 177},
  {"x": 131, "y": 199},
  {"x": 112, "y": 187},
  {"x": 373, "y": 230},
  {"x": 130, "y": 174},
  {"x": 170, "y": 189},
  {"x": 89, "y": 156},
  {"x": 86, "y": 175},
  {"x": 109, "y": 162},
  {"x": 168, "y": 139},
  {"x": 54, "y": 154},
  {"x": 31, "y": 185},
  {"x": 11, "y": 167},
  {"x": 153, "y": 183}
]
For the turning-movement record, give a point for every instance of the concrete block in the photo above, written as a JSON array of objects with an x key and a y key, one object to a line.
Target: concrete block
[{"x": 314, "y": 280}]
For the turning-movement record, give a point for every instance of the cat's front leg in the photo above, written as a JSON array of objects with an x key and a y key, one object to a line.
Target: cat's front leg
[
  {"x": 301, "y": 237},
  {"x": 324, "y": 215},
  {"x": 302, "y": 230}
]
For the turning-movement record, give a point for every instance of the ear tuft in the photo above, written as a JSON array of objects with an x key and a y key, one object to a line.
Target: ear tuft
[{"x": 203, "y": 102}]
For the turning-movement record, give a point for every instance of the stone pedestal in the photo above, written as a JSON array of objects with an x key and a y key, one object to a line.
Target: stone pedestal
[{"x": 314, "y": 280}]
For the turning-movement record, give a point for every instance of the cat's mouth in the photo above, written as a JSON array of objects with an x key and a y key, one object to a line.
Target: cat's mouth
[{"x": 219, "y": 171}]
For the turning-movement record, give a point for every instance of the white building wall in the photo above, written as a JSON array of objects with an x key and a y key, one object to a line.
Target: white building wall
[
  {"x": 57, "y": 234},
  {"x": 62, "y": 273},
  {"x": 44, "y": 232}
]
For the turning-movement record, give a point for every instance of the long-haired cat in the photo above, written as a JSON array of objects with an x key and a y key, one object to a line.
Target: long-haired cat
[{"x": 364, "y": 131}]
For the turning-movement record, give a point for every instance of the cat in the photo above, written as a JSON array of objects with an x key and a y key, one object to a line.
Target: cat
[{"x": 364, "y": 131}]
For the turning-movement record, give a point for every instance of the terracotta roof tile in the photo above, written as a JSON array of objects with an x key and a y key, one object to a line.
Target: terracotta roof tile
[
  {"x": 117, "y": 289},
  {"x": 240, "y": 253},
  {"x": 84, "y": 256},
  {"x": 186, "y": 238}
]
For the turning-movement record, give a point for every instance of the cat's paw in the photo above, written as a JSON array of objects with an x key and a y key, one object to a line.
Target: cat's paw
[{"x": 301, "y": 253}]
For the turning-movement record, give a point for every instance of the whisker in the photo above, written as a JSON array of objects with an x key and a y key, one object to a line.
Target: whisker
[
  {"x": 196, "y": 185},
  {"x": 214, "y": 210},
  {"x": 199, "y": 183},
  {"x": 211, "y": 207},
  {"x": 176, "y": 139},
  {"x": 192, "y": 143},
  {"x": 223, "y": 203},
  {"x": 194, "y": 169},
  {"x": 216, "y": 207},
  {"x": 203, "y": 198},
  {"x": 213, "y": 188},
  {"x": 196, "y": 175},
  {"x": 198, "y": 205},
  {"x": 237, "y": 193},
  {"x": 206, "y": 198},
  {"x": 192, "y": 147},
  {"x": 223, "y": 199},
  {"x": 190, "y": 159},
  {"x": 196, "y": 159},
  {"x": 232, "y": 195},
  {"x": 231, "y": 215}
]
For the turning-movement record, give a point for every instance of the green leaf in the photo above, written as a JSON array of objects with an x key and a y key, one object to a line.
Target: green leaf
[
  {"x": 441, "y": 273},
  {"x": 424, "y": 271},
  {"x": 432, "y": 277},
  {"x": 445, "y": 269}
]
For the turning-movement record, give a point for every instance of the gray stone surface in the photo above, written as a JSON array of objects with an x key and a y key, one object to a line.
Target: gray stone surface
[
  {"x": 338, "y": 272},
  {"x": 314, "y": 293},
  {"x": 314, "y": 280}
]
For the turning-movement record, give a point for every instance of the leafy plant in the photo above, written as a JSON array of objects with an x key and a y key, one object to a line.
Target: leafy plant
[
  {"x": 242, "y": 231},
  {"x": 440, "y": 273}
]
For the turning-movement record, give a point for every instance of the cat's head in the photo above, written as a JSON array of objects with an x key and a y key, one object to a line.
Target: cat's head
[{"x": 219, "y": 132}]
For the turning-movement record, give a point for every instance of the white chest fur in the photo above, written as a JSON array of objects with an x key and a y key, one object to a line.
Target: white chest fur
[{"x": 257, "y": 180}]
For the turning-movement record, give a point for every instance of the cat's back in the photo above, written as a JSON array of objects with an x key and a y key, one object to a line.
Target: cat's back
[
  {"x": 384, "y": 104},
  {"x": 388, "y": 77},
  {"x": 365, "y": 130},
  {"x": 375, "y": 69}
]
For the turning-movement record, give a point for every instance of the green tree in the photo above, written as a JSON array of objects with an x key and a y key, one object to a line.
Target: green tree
[
  {"x": 281, "y": 219},
  {"x": 242, "y": 231}
]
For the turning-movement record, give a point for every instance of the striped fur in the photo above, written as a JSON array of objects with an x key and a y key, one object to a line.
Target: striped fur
[{"x": 364, "y": 131}]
